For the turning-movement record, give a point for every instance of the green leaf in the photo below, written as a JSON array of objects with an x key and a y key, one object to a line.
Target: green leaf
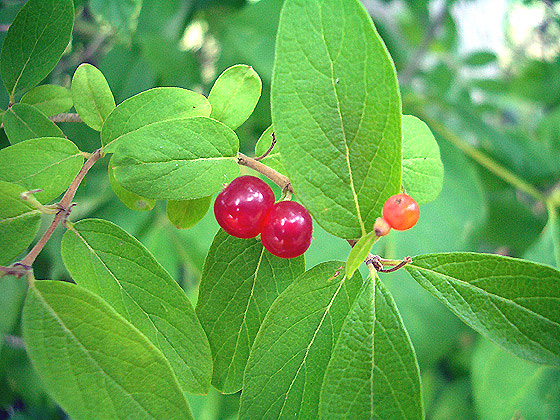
[
  {"x": 513, "y": 302},
  {"x": 373, "y": 371},
  {"x": 49, "y": 99},
  {"x": 35, "y": 42},
  {"x": 49, "y": 163},
  {"x": 179, "y": 159},
  {"x": 506, "y": 387},
  {"x": 129, "y": 199},
  {"x": 235, "y": 95},
  {"x": 149, "y": 107},
  {"x": 93, "y": 362},
  {"x": 336, "y": 112},
  {"x": 107, "y": 261},
  {"x": 12, "y": 295},
  {"x": 239, "y": 282},
  {"x": 287, "y": 364},
  {"x": 185, "y": 214},
  {"x": 121, "y": 14},
  {"x": 24, "y": 122},
  {"x": 422, "y": 175},
  {"x": 273, "y": 159},
  {"x": 92, "y": 96},
  {"x": 359, "y": 252},
  {"x": 480, "y": 58},
  {"x": 19, "y": 222}
]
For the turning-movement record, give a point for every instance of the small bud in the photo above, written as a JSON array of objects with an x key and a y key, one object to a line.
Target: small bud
[{"x": 381, "y": 227}]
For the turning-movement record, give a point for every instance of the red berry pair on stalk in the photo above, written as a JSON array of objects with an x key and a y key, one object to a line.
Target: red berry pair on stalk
[{"x": 246, "y": 208}]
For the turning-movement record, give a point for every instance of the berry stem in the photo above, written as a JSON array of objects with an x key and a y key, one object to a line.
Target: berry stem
[{"x": 282, "y": 181}]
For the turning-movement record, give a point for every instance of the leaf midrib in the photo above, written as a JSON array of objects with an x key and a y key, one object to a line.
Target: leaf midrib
[
  {"x": 159, "y": 334},
  {"x": 87, "y": 352}
]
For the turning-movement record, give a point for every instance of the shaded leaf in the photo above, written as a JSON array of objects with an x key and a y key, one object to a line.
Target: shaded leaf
[
  {"x": 422, "y": 175},
  {"x": 19, "y": 222},
  {"x": 480, "y": 58},
  {"x": 336, "y": 112},
  {"x": 92, "y": 96},
  {"x": 23, "y": 122},
  {"x": 94, "y": 363},
  {"x": 506, "y": 387},
  {"x": 234, "y": 95},
  {"x": 239, "y": 282},
  {"x": 185, "y": 214},
  {"x": 513, "y": 302},
  {"x": 373, "y": 371},
  {"x": 149, "y": 107},
  {"x": 177, "y": 159},
  {"x": 35, "y": 42},
  {"x": 109, "y": 262},
  {"x": 48, "y": 163},
  {"x": 49, "y": 99},
  {"x": 122, "y": 14},
  {"x": 129, "y": 199}
]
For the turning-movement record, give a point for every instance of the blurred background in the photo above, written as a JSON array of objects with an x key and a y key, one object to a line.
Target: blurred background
[{"x": 484, "y": 75}]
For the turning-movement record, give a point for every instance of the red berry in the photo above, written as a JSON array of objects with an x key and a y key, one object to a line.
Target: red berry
[
  {"x": 287, "y": 230},
  {"x": 401, "y": 212},
  {"x": 242, "y": 206}
]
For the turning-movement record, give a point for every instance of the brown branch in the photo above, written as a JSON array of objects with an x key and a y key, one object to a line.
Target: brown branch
[
  {"x": 275, "y": 176},
  {"x": 64, "y": 207},
  {"x": 66, "y": 117}
]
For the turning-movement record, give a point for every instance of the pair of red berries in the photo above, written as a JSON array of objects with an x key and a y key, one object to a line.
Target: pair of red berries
[
  {"x": 400, "y": 212},
  {"x": 246, "y": 208}
]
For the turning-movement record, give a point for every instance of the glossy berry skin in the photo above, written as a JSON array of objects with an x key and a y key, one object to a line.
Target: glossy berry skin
[
  {"x": 401, "y": 212},
  {"x": 287, "y": 230},
  {"x": 242, "y": 206}
]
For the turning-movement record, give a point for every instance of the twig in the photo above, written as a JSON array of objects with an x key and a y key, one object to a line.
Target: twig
[
  {"x": 64, "y": 205},
  {"x": 275, "y": 176},
  {"x": 265, "y": 154},
  {"x": 66, "y": 117},
  {"x": 412, "y": 66}
]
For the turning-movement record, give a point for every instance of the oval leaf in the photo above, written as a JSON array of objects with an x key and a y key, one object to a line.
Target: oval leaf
[
  {"x": 185, "y": 214},
  {"x": 336, "y": 111},
  {"x": 422, "y": 175},
  {"x": 240, "y": 280},
  {"x": 24, "y": 122},
  {"x": 287, "y": 364},
  {"x": 93, "y": 362},
  {"x": 107, "y": 261},
  {"x": 129, "y": 199},
  {"x": 35, "y": 42},
  {"x": 359, "y": 252},
  {"x": 373, "y": 372},
  {"x": 512, "y": 302},
  {"x": 49, "y": 99},
  {"x": 151, "y": 106},
  {"x": 235, "y": 95},
  {"x": 92, "y": 96},
  {"x": 19, "y": 222},
  {"x": 48, "y": 163},
  {"x": 178, "y": 159}
]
